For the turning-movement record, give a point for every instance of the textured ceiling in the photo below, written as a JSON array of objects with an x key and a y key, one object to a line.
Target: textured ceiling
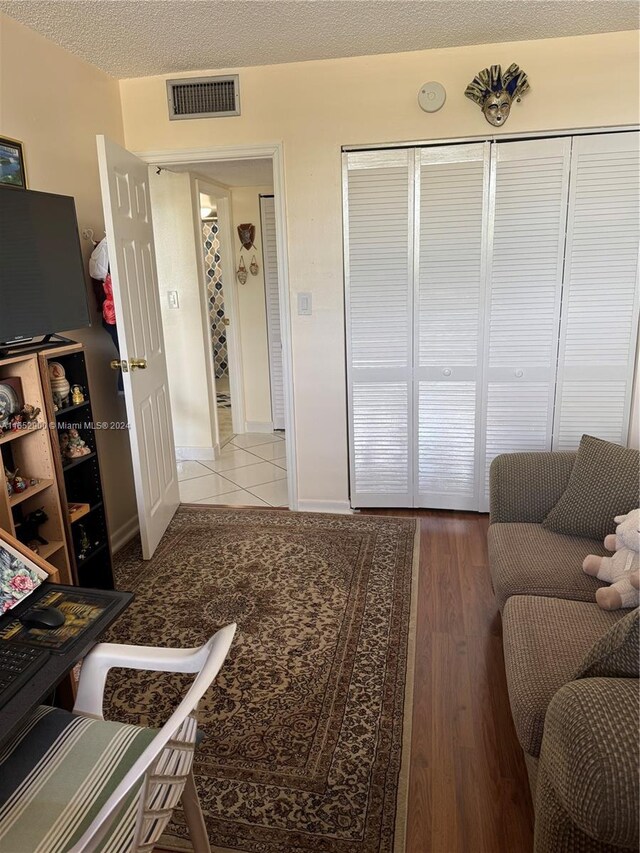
[{"x": 144, "y": 37}]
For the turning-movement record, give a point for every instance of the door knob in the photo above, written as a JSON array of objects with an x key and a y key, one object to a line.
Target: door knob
[
  {"x": 138, "y": 364},
  {"x": 226, "y": 321},
  {"x": 116, "y": 364}
]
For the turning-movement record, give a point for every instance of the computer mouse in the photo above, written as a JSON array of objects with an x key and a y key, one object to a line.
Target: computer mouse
[{"x": 43, "y": 617}]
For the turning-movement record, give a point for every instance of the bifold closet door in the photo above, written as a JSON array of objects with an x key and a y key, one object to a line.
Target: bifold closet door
[
  {"x": 272, "y": 301},
  {"x": 600, "y": 298},
  {"x": 451, "y": 207},
  {"x": 527, "y": 221},
  {"x": 378, "y": 234}
]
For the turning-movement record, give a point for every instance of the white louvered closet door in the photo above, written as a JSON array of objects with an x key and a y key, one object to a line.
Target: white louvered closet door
[
  {"x": 527, "y": 220},
  {"x": 378, "y": 236},
  {"x": 451, "y": 205},
  {"x": 600, "y": 299},
  {"x": 272, "y": 299}
]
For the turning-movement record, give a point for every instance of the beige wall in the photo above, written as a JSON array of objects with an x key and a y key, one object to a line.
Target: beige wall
[
  {"x": 179, "y": 260},
  {"x": 245, "y": 204},
  {"x": 316, "y": 107},
  {"x": 56, "y": 104}
]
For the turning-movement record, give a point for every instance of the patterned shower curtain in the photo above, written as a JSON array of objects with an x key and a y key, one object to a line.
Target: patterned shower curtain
[{"x": 216, "y": 297}]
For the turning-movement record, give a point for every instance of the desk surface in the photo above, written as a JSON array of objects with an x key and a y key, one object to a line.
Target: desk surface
[{"x": 49, "y": 676}]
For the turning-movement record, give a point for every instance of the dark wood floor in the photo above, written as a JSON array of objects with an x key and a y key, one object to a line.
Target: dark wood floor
[{"x": 468, "y": 790}]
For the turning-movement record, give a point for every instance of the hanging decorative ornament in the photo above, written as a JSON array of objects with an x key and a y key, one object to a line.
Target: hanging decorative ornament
[
  {"x": 254, "y": 269},
  {"x": 242, "y": 272},
  {"x": 495, "y": 91},
  {"x": 247, "y": 234}
]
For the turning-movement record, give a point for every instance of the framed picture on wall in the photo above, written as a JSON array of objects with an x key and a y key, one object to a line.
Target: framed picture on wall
[{"x": 12, "y": 170}]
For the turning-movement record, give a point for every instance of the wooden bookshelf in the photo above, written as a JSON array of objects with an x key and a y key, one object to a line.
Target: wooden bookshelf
[
  {"x": 30, "y": 450},
  {"x": 79, "y": 480}
]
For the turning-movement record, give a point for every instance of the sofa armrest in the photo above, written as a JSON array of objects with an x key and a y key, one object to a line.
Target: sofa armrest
[
  {"x": 589, "y": 759},
  {"x": 524, "y": 487}
]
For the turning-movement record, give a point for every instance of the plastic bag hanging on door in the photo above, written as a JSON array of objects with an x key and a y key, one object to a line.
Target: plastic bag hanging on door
[
  {"x": 254, "y": 269},
  {"x": 242, "y": 272}
]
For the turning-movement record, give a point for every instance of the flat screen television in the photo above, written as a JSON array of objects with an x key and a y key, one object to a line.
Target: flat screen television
[{"x": 42, "y": 281}]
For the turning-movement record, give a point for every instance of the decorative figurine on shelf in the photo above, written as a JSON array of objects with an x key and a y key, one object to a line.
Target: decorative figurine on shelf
[
  {"x": 27, "y": 415},
  {"x": 28, "y": 529},
  {"x": 77, "y": 395},
  {"x": 29, "y": 412},
  {"x": 19, "y": 483},
  {"x": 72, "y": 446},
  {"x": 59, "y": 385},
  {"x": 84, "y": 543},
  {"x": 8, "y": 477},
  {"x": 64, "y": 444}
]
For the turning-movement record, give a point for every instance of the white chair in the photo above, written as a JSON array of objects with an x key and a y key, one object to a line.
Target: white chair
[{"x": 133, "y": 815}]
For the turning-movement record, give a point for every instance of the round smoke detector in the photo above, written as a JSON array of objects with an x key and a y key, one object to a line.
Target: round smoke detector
[{"x": 431, "y": 96}]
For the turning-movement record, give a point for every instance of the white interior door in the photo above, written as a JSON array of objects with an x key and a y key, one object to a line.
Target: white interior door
[
  {"x": 272, "y": 297},
  {"x": 600, "y": 297},
  {"x": 127, "y": 212},
  {"x": 527, "y": 220},
  {"x": 451, "y": 219}
]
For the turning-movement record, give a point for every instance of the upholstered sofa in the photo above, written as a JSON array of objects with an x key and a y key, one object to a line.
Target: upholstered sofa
[{"x": 572, "y": 668}]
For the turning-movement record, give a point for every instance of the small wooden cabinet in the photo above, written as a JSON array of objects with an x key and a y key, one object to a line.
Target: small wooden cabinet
[
  {"x": 79, "y": 479},
  {"x": 30, "y": 451}
]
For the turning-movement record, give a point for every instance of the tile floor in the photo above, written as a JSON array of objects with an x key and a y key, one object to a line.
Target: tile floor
[{"x": 251, "y": 471}]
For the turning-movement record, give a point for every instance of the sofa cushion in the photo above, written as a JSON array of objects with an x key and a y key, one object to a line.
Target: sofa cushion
[
  {"x": 526, "y": 559},
  {"x": 616, "y": 654},
  {"x": 603, "y": 484},
  {"x": 545, "y": 642}
]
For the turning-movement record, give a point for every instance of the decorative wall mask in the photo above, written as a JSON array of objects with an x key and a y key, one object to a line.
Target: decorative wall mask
[
  {"x": 254, "y": 269},
  {"x": 247, "y": 235},
  {"x": 242, "y": 272},
  {"x": 494, "y": 91}
]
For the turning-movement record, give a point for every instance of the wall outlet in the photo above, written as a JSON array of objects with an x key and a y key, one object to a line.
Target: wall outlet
[
  {"x": 305, "y": 308},
  {"x": 172, "y": 298}
]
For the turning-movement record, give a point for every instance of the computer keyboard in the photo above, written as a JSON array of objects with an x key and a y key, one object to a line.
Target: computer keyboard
[{"x": 17, "y": 665}]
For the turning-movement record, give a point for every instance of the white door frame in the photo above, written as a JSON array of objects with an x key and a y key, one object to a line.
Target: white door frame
[
  {"x": 234, "y": 349},
  {"x": 275, "y": 152}
]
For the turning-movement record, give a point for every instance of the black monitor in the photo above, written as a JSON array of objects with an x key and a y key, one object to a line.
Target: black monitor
[{"x": 42, "y": 277}]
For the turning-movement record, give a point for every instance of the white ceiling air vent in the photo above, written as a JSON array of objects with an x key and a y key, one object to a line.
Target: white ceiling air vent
[{"x": 204, "y": 97}]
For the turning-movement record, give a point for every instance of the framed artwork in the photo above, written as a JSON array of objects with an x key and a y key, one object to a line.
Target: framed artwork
[
  {"x": 12, "y": 169},
  {"x": 19, "y": 575}
]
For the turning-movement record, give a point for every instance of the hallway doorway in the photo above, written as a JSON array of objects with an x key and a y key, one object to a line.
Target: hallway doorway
[{"x": 246, "y": 463}]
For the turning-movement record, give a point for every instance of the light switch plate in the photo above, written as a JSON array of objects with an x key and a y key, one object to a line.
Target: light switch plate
[
  {"x": 172, "y": 297},
  {"x": 304, "y": 304}
]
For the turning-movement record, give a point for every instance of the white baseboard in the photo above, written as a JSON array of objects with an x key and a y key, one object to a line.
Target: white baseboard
[
  {"x": 258, "y": 426},
  {"x": 203, "y": 454},
  {"x": 124, "y": 534},
  {"x": 341, "y": 507}
]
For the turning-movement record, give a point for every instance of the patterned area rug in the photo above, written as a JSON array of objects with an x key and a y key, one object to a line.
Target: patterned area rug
[{"x": 307, "y": 729}]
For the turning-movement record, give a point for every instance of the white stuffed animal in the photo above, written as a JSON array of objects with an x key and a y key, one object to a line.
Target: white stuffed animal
[{"x": 621, "y": 570}]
